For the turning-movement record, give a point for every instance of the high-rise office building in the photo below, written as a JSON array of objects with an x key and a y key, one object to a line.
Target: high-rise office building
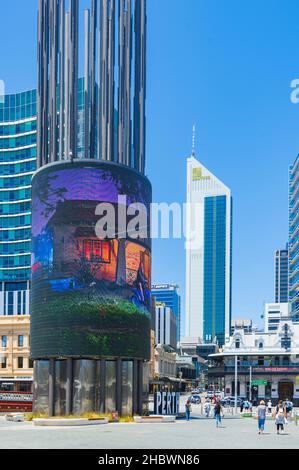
[
  {"x": 18, "y": 135},
  {"x": 17, "y": 165},
  {"x": 294, "y": 238},
  {"x": 90, "y": 292},
  {"x": 281, "y": 262},
  {"x": 169, "y": 294},
  {"x": 274, "y": 314},
  {"x": 166, "y": 327},
  {"x": 208, "y": 255}
]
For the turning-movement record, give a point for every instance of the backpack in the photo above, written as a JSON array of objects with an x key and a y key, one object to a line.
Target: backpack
[{"x": 217, "y": 408}]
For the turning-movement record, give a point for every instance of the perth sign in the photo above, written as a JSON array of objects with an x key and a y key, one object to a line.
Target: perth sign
[{"x": 167, "y": 403}]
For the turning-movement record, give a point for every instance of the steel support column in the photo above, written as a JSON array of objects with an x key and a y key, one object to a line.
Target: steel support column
[
  {"x": 103, "y": 386},
  {"x": 119, "y": 386},
  {"x": 69, "y": 387}
]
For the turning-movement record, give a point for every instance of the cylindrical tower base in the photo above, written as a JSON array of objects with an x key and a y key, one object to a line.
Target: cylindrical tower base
[{"x": 75, "y": 387}]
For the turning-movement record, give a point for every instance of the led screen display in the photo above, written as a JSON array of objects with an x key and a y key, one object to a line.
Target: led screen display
[{"x": 90, "y": 295}]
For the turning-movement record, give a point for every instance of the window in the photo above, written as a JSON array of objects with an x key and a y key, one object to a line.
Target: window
[
  {"x": 20, "y": 341},
  {"x": 4, "y": 341},
  {"x": 285, "y": 360},
  {"x": 4, "y": 363},
  {"x": 261, "y": 345},
  {"x": 95, "y": 250},
  {"x": 10, "y": 304},
  {"x": 286, "y": 343},
  {"x": 261, "y": 361},
  {"x": 106, "y": 252},
  {"x": 20, "y": 362},
  {"x": 237, "y": 344},
  {"x": 87, "y": 249},
  {"x": 31, "y": 364}
]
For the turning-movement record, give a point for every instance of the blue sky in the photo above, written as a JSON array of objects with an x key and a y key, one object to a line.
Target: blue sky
[{"x": 227, "y": 66}]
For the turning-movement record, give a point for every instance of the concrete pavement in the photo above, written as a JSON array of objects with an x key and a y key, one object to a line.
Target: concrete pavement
[{"x": 197, "y": 434}]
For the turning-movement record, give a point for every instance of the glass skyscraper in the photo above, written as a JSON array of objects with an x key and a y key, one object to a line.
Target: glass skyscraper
[
  {"x": 208, "y": 255},
  {"x": 282, "y": 276},
  {"x": 17, "y": 165},
  {"x": 294, "y": 238},
  {"x": 169, "y": 294},
  {"x": 18, "y": 162}
]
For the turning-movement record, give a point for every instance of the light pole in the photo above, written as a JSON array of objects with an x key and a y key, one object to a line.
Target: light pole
[
  {"x": 250, "y": 383},
  {"x": 236, "y": 384}
]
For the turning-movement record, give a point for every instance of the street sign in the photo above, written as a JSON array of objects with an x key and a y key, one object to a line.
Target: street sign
[
  {"x": 259, "y": 382},
  {"x": 167, "y": 403}
]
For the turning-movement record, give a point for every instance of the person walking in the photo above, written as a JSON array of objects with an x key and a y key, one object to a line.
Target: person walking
[
  {"x": 288, "y": 406},
  {"x": 261, "y": 415},
  {"x": 242, "y": 406},
  {"x": 269, "y": 406},
  {"x": 188, "y": 410},
  {"x": 207, "y": 408},
  {"x": 217, "y": 413},
  {"x": 246, "y": 405},
  {"x": 280, "y": 417}
]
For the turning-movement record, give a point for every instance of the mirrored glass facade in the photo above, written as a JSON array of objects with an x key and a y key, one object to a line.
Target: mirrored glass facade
[
  {"x": 127, "y": 388},
  {"x": 41, "y": 387},
  {"x": 282, "y": 276},
  {"x": 110, "y": 386},
  {"x": 84, "y": 386},
  {"x": 75, "y": 387},
  {"x": 60, "y": 387},
  {"x": 17, "y": 165},
  {"x": 294, "y": 239},
  {"x": 215, "y": 268},
  {"x": 208, "y": 255}
]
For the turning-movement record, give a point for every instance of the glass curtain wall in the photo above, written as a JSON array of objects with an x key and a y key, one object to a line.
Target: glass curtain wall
[
  {"x": 60, "y": 387},
  {"x": 110, "y": 386},
  {"x": 127, "y": 388},
  {"x": 84, "y": 390},
  {"x": 41, "y": 387}
]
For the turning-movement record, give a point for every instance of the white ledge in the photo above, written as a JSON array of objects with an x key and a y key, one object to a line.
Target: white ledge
[
  {"x": 155, "y": 419},
  {"x": 69, "y": 422}
]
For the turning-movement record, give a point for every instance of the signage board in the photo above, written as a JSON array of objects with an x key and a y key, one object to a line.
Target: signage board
[
  {"x": 167, "y": 403},
  {"x": 259, "y": 382}
]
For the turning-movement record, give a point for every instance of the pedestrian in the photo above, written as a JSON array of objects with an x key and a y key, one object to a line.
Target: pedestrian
[
  {"x": 288, "y": 406},
  {"x": 269, "y": 406},
  {"x": 261, "y": 415},
  {"x": 280, "y": 417},
  {"x": 217, "y": 413},
  {"x": 207, "y": 408},
  {"x": 242, "y": 406},
  {"x": 246, "y": 405},
  {"x": 188, "y": 410}
]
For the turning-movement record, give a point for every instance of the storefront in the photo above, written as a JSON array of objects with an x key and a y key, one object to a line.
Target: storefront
[
  {"x": 16, "y": 394},
  {"x": 267, "y": 364}
]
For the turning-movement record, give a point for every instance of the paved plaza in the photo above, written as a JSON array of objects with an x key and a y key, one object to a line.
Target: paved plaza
[{"x": 199, "y": 433}]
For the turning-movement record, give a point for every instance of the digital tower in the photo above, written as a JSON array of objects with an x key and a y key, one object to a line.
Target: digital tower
[{"x": 90, "y": 294}]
